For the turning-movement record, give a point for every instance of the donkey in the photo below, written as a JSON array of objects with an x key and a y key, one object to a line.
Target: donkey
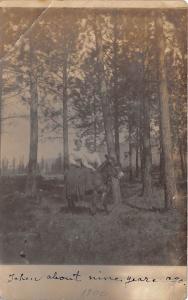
[{"x": 81, "y": 182}]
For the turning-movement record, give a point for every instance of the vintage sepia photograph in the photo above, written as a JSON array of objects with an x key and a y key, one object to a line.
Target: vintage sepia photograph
[{"x": 93, "y": 136}]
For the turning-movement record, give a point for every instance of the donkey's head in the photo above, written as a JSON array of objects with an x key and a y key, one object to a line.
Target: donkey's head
[{"x": 111, "y": 168}]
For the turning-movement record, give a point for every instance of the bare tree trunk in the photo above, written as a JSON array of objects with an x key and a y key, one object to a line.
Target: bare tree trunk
[
  {"x": 137, "y": 153},
  {"x": 161, "y": 162},
  {"x": 183, "y": 168},
  {"x": 147, "y": 174},
  {"x": 65, "y": 118},
  {"x": 115, "y": 97},
  {"x": 130, "y": 152},
  {"x": 106, "y": 109},
  {"x": 116, "y": 132},
  {"x": 147, "y": 179},
  {"x": 31, "y": 185},
  {"x": 161, "y": 178},
  {"x": 95, "y": 126},
  {"x": 169, "y": 176},
  {"x": 1, "y": 87},
  {"x": 1, "y": 84},
  {"x": 184, "y": 153},
  {"x": 141, "y": 142}
]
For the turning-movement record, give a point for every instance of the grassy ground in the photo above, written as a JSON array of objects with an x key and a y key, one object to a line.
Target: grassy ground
[{"x": 43, "y": 231}]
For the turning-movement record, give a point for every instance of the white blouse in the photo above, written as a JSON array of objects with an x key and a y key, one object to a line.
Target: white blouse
[{"x": 85, "y": 157}]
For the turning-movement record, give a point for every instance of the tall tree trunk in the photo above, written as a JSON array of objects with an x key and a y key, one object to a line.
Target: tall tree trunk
[
  {"x": 141, "y": 141},
  {"x": 169, "y": 176},
  {"x": 161, "y": 178},
  {"x": 184, "y": 152},
  {"x": 116, "y": 132},
  {"x": 183, "y": 167},
  {"x": 137, "y": 153},
  {"x": 1, "y": 82},
  {"x": 130, "y": 152},
  {"x": 95, "y": 125},
  {"x": 31, "y": 185},
  {"x": 1, "y": 87},
  {"x": 147, "y": 179},
  {"x": 147, "y": 174},
  {"x": 161, "y": 162},
  {"x": 115, "y": 94},
  {"x": 65, "y": 118},
  {"x": 106, "y": 108}
]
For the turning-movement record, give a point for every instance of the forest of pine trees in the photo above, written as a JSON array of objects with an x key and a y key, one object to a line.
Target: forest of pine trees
[{"x": 113, "y": 76}]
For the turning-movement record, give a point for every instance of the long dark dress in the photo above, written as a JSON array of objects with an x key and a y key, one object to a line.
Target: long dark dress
[{"x": 80, "y": 180}]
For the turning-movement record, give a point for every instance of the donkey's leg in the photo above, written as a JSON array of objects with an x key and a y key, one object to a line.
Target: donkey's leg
[
  {"x": 71, "y": 204},
  {"x": 104, "y": 198},
  {"x": 104, "y": 201},
  {"x": 93, "y": 207}
]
